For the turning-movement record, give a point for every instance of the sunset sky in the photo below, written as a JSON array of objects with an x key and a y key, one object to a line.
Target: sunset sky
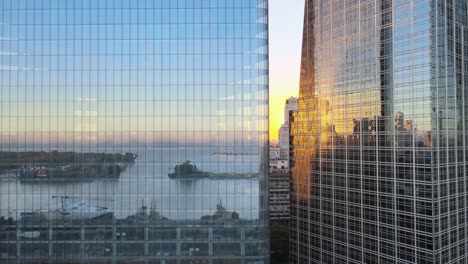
[
  {"x": 285, "y": 24},
  {"x": 285, "y": 20}
]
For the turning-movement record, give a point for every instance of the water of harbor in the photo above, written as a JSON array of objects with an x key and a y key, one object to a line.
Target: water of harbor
[{"x": 146, "y": 182}]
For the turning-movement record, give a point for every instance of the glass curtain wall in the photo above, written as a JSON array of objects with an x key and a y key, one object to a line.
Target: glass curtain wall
[
  {"x": 380, "y": 138},
  {"x": 134, "y": 131}
]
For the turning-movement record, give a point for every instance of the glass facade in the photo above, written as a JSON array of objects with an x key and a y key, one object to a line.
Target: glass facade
[
  {"x": 134, "y": 131},
  {"x": 380, "y": 138}
]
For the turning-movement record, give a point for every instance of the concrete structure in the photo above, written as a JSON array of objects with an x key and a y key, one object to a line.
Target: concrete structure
[
  {"x": 283, "y": 141},
  {"x": 283, "y": 132},
  {"x": 279, "y": 196},
  {"x": 275, "y": 153},
  {"x": 279, "y": 164},
  {"x": 279, "y": 169}
]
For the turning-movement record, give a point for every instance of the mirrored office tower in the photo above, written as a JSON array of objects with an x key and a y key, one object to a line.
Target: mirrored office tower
[
  {"x": 133, "y": 131},
  {"x": 380, "y": 138}
]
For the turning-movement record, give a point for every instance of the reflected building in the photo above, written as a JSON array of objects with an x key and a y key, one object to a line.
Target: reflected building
[
  {"x": 134, "y": 131},
  {"x": 379, "y": 158}
]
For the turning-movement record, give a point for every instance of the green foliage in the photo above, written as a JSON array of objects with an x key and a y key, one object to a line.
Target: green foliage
[
  {"x": 279, "y": 244},
  {"x": 14, "y": 160},
  {"x": 185, "y": 168}
]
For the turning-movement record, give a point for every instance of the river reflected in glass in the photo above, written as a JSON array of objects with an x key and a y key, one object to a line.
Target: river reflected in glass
[{"x": 140, "y": 184}]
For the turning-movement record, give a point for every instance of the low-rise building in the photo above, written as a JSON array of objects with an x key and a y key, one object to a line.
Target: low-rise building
[{"x": 279, "y": 196}]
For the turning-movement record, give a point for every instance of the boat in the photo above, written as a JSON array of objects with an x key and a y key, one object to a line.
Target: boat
[
  {"x": 187, "y": 170},
  {"x": 76, "y": 210}
]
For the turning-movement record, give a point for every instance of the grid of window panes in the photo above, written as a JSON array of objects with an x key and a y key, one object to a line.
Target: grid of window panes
[
  {"x": 134, "y": 131},
  {"x": 380, "y": 139},
  {"x": 450, "y": 124}
]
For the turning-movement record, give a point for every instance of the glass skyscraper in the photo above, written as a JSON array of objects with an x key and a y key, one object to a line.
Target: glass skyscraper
[
  {"x": 134, "y": 131},
  {"x": 380, "y": 138}
]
